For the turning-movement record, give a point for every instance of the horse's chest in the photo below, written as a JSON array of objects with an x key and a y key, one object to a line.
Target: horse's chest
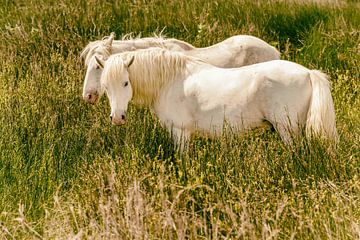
[{"x": 175, "y": 108}]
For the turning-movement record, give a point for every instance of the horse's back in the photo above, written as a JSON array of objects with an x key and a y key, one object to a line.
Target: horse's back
[
  {"x": 272, "y": 82},
  {"x": 278, "y": 79},
  {"x": 276, "y": 68},
  {"x": 284, "y": 89},
  {"x": 237, "y": 51},
  {"x": 256, "y": 50}
]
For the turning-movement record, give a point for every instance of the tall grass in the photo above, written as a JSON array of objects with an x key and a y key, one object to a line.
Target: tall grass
[{"x": 65, "y": 172}]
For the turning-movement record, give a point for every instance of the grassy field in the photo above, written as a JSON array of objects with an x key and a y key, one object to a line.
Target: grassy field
[{"x": 66, "y": 173}]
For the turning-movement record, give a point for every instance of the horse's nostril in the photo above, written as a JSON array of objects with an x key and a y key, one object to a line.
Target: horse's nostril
[
  {"x": 110, "y": 118},
  {"x": 89, "y": 96},
  {"x": 123, "y": 117}
]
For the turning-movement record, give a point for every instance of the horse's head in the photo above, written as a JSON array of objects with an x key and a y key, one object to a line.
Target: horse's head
[
  {"x": 116, "y": 83},
  {"x": 92, "y": 88}
]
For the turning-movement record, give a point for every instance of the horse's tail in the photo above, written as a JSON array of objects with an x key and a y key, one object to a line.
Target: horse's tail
[{"x": 321, "y": 114}]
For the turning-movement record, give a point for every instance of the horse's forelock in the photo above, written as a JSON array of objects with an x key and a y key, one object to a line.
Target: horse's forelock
[
  {"x": 114, "y": 66},
  {"x": 84, "y": 53}
]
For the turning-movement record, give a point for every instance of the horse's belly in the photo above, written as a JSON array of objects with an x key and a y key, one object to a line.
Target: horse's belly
[{"x": 213, "y": 122}]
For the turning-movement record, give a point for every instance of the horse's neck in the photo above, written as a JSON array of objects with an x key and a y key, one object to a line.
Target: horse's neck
[
  {"x": 130, "y": 45},
  {"x": 146, "y": 91},
  {"x": 121, "y": 46},
  {"x": 220, "y": 55},
  {"x": 194, "y": 66},
  {"x": 211, "y": 52},
  {"x": 149, "y": 42}
]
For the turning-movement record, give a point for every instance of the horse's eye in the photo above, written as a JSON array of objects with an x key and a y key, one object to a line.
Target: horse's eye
[{"x": 126, "y": 83}]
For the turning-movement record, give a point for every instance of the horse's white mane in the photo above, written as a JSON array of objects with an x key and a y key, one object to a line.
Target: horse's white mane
[
  {"x": 130, "y": 36},
  {"x": 151, "y": 70},
  {"x": 107, "y": 46},
  {"x": 97, "y": 46},
  {"x": 101, "y": 48}
]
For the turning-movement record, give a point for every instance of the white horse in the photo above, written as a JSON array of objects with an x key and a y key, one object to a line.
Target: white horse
[
  {"x": 190, "y": 95},
  {"x": 235, "y": 51}
]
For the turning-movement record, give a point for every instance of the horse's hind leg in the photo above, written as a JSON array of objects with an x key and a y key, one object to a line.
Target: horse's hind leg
[
  {"x": 286, "y": 132},
  {"x": 287, "y": 125}
]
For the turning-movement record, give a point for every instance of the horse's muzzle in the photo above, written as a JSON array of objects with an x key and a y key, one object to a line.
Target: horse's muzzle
[
  {"x": 118, "y": 120},
  {"x": 91, "y": 97}
]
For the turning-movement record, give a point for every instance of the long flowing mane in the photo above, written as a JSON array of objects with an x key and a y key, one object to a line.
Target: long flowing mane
[{"x": 151, "y": 70}]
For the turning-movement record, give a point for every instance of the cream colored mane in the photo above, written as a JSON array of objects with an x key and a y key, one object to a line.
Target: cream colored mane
[
  {"x": 130, "y": 36},
  {"x": 157, "y": 40},
  {"x": 95, "y": 47},
  {"x": 101, "y": 48},
  {"x": 151, "y": 70}
]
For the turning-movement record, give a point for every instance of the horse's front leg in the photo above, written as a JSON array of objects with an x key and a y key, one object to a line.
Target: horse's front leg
[{"x": 181, "y": 137}]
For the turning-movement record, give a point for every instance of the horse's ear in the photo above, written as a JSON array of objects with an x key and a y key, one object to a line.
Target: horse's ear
[
  {"x": 100, "y": 62},
  {"x": 110, "y": 39},
  {"x": 129, "y": 62}
]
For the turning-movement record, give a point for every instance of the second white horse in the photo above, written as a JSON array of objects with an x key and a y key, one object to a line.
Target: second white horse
[{"x": 236, "y": 51}]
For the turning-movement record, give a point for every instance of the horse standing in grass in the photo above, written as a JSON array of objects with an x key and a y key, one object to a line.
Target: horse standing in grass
[
  {"x": 235, "y": 51},
  {"x": 188, "y": 94}
]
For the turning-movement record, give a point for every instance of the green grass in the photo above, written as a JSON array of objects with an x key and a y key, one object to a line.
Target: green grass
[{"x": 66, "y": 172}]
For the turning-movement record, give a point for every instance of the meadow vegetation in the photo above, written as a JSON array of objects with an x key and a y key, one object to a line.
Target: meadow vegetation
[{"x": 67, "y": 173}]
